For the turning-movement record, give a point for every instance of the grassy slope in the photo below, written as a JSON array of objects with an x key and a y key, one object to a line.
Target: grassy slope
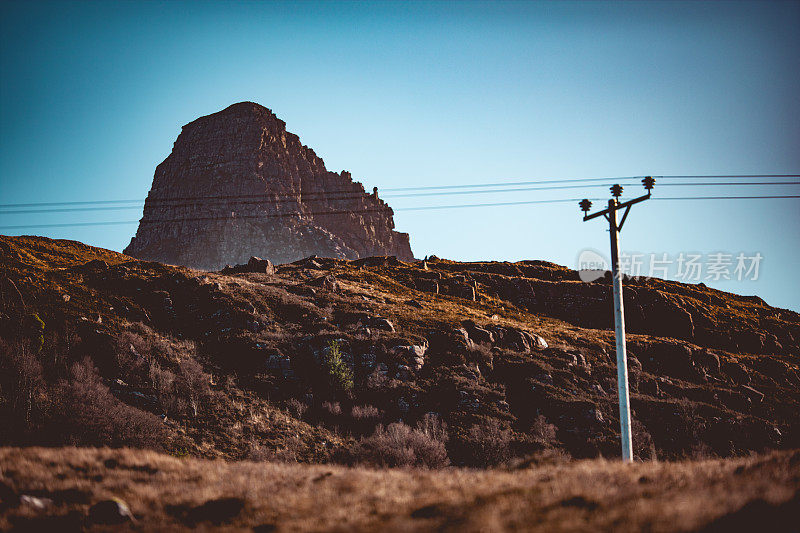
[
  {"x": 127, "y": 291},
  {"x": 165, "y": 493}
]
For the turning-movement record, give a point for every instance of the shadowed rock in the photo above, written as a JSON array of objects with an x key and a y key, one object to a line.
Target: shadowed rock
[{"x": 237, "y": 184}]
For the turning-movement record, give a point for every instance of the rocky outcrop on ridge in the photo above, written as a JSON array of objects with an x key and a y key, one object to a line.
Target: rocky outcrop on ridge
[{"x": 237, "y": 185}]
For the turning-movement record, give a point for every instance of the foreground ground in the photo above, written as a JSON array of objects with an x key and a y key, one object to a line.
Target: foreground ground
[{"x": 166, "y": 493}]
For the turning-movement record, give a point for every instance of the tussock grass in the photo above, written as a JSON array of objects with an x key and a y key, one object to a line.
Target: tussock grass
[{"x": 166, "y": 493}]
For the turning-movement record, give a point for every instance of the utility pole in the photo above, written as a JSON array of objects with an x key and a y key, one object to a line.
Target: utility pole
[{"x": 610, "y": 214}]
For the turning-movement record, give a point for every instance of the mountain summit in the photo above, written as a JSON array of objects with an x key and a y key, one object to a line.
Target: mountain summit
[{"x": 237, "y": 184}]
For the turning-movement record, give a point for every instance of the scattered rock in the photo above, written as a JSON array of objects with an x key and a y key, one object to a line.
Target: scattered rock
[
  {"x": 708, "y": 361},
  {"x": 264, "y": 266},
  {"x": 539, "y": 343},
  {"x": 736, "y": 372},
  {"x": 580, "y": 502},
  {"x": 378, "y": 260},
  {"x": 462, "y": 334},
  {"x": 255, "y": 265},
  {"x": 402, "y": 405},
  {"x": 217, "y": 511},
  {"x": 427, "y": 285},
  {"x": 327, "y": 282},
  {"x": 481, "y": 335},
  {"x": 384, "y": 324},
  {"x": 414, "y": 303},
  {"x": 280, "y": 365},
  {"x": 403, "y": 373},
  {"x": 428, "y": 511},
  {"x": 773, "y": 368},
  {"x": 595, "y": 415},
  {"x": 112, "y": 511},
  {"x": 754, "y": 395},
  {"x": 37, "y": 503}
]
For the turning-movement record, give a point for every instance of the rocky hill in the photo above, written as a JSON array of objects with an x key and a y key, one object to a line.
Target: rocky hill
[
  {"x": 237, "y": 184},
  {"x": 317, "y": 359}
]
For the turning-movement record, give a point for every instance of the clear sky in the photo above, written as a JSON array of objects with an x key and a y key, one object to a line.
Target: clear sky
[{"x": 93, "y": 95}]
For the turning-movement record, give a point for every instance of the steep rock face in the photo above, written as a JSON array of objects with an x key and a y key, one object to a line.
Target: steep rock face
[{"x": 237, "y": 185}]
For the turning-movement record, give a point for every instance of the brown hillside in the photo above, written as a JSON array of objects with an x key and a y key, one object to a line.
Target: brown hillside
[{"x": 513, "y": 357}]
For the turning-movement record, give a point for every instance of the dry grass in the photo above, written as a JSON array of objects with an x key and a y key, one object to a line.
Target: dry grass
[{"x": 166, "y": 493}]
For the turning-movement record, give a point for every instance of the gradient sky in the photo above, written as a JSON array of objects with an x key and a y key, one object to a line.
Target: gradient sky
[{"x": 93, "y": 95}]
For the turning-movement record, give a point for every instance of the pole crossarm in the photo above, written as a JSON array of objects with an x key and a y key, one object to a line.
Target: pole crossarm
[
  {"x": 619, "y": 206},
  {"x": 624, "y": 216}
]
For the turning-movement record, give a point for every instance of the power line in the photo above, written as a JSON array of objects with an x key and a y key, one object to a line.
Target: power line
[
  {"x": 357, "y": 194},
  {"x": 586, "y": 180},
  {"x": 268, "y": 199},
  {"x": 496, "y": 204},
  {"x": 727, "y": 197},
  {"x": 280, "y": 215},
  {"x": 742, "y": 176},
  {"x": 508, "y": 183},
  {"x": 340, "y": 212},
  {"x": 525, "y": 189},
  {"x": 70, "y": 224}
]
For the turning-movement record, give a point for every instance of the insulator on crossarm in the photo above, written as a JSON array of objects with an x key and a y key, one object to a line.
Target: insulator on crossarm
[
  {"x": 616, "y": 190},
  {"x": 585, "y": 205},
  {"x": 648, "y": 182}
]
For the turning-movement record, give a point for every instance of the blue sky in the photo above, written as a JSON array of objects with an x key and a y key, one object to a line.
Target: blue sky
[{"x": 93, "y": 95}]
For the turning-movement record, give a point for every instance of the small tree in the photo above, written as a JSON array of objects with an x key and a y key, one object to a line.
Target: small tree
[
  {"x": 193, "y": 383},
  {"x": 488, "y": 443},
  {"x": 339, "y": 374},
  {"x": 399, "y": 445}
]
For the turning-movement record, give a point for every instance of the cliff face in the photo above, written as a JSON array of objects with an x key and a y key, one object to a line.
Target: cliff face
[{"x": 237, "y": 184}]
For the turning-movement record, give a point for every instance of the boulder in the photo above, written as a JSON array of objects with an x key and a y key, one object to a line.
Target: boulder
[
  {"x": 481, "y": 335},
  {"x": 754, "y": 395},
  {"x": 327, "y": 282},
  {"x": 427, "y": 285},
  {"x": 403, "y": 373},
  {"x": 537, "y": 342},
  {"x": 514, "y": 339},
  {"x": 280, "y": 365},
  {"x": 113, "y": 511},
  {"x": 773, "y": 368},
  {"x": 263, "y": 266},
  {"x": 708, "y": 360},
  {"x": 736, "y": 372},
  {"x": 379, "y": 322},
  {"x": 35, "y": 502},
  {"x": 673, "y": 359},
  {"x": 461, "y": 334}
]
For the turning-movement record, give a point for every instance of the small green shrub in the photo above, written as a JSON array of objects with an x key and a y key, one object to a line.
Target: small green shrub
[
  {"x": 34, "y": 326},
  {"x": 339, "y": 374}
]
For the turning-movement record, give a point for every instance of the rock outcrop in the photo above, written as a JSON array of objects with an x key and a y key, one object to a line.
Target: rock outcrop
[{"x": 237, "y": 185}]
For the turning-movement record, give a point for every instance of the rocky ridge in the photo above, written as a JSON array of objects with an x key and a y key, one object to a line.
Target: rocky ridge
[
  {"x": 237, "y": 184},
  {"x": 519, "y": 351}
]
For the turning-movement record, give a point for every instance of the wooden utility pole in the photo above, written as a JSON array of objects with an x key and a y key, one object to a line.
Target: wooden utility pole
[{"x": 610, "y": 213}]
